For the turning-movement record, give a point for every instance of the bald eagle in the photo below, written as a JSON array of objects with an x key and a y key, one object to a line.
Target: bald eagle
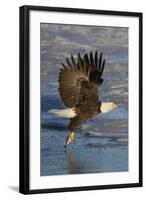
[{"x": 78, "y": 88}]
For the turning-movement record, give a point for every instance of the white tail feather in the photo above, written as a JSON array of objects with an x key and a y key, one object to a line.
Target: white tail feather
[{"x": 66, "y": 113}]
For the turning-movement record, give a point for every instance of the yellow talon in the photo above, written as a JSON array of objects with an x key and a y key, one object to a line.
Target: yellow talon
[{"x": 70, "y": 138}]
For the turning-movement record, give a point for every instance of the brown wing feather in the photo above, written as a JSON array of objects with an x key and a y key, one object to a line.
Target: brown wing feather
[
  {"x": 70, "y": 77},
  {"x": 96, "y": 65}
]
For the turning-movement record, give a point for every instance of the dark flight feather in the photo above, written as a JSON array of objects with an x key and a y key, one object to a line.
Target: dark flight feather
[
  {"x": 70, "y": 78},
  {"x": 79, "y": 80}
]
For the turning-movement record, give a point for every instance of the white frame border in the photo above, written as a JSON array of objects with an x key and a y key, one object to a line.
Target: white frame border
[{"x": 132, "y": 176}]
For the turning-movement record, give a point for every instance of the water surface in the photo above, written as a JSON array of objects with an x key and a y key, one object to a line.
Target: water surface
[{"x": 101, "y": 143}]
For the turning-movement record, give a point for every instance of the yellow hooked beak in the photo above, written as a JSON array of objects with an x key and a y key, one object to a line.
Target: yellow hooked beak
[{"x": 70, "y": 138}]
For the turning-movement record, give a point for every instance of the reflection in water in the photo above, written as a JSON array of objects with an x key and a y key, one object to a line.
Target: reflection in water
[
  {"x": 72, "y": 164},
  {"x": 96, "y": 159}
]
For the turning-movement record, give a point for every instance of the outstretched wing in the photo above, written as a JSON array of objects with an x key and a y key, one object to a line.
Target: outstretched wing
[
  {"x": 96, "y": 65},
  {"x": 71, "y": 76}
]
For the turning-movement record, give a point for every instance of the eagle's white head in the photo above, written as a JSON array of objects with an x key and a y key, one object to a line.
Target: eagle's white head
[{"x": 107, "y": 106}]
